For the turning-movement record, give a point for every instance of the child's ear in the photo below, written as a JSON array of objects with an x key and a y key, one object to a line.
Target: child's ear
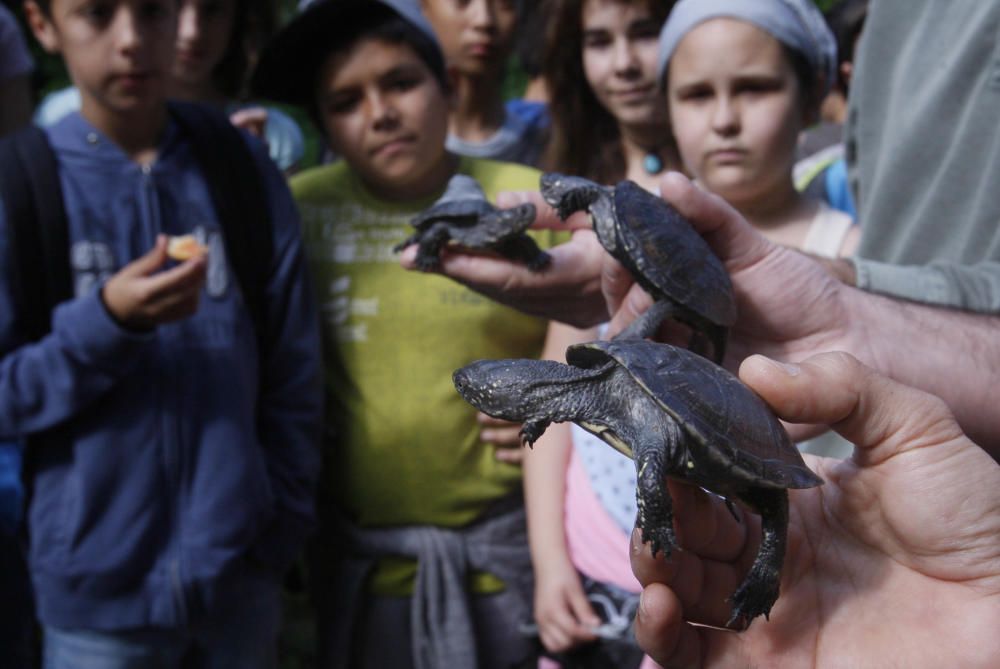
[{"x": 41, "y": 26}]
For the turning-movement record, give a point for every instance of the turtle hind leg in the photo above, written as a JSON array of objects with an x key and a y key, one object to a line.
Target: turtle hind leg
[
  {"x": 524, "y": 248},
  {"x": 759, "y": 590},
  {"x": 649, "y": 321}
]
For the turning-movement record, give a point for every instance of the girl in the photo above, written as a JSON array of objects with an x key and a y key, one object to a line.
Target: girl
[
  {"x": 609, "y": 122},
  {"x": 742, "y": 81}
]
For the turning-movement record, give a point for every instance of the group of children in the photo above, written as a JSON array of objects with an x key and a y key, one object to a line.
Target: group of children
[{"x": 175, "y": 427}]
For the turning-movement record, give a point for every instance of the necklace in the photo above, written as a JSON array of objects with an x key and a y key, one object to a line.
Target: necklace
[{"x": 652, "y": 162}]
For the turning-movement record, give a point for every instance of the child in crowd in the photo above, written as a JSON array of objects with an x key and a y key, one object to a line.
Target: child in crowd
[
  {"x": 609, "y": 123},
  {"x": 423, "y": 556},
  {"x": 214, "y": 49},
  {"x": 742, "y": 81},
  {"x": 172, "y": 442},
  {"x": 476, "y": 37},
  {"x": 609, "y": 120}
]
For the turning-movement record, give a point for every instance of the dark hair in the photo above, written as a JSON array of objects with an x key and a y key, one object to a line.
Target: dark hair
[
  {"x": 809, "y": 83},
  {"x": 529, "y": 36},
  {"x": 230, "y": 73},
  {"x": 383, "y": 26},
  {"x": 585, "y": 139},
  {"x": 846, "y": 19}
]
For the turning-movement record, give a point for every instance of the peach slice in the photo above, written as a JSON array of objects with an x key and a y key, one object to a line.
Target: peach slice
[{"x": 185, "y": 247}]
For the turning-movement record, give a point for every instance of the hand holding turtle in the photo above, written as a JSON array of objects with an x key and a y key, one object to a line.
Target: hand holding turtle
[{"x": 896, "y": 560}]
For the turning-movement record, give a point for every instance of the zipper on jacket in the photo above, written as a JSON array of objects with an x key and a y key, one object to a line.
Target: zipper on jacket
[{"x": 167, "y": 395}]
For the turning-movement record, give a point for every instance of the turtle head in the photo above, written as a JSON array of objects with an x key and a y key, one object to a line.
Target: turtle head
[
  {"x": 568, "y": 194},
  {"x": 502, "y": 388}
]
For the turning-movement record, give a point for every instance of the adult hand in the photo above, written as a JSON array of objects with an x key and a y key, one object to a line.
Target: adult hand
[
  {"x": 788, "y": 305},
  {"x": 251, "y": 119},
  {"x": 568, "y": 290},
  {"x": 895, "y": 561},
  {"x": 140, "y": 296}
]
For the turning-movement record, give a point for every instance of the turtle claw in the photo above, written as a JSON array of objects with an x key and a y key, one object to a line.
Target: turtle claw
[
  {"x": 660, "y": 539},
  {"x": 755, "y": 597},
  {"x": 531, "y": 431}
]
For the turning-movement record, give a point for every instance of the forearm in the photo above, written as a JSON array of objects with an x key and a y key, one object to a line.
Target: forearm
[
  {"x": 545, "y": 493},
  {"x": 949, "y": 353},
  {"x": 47, "y": 382}
]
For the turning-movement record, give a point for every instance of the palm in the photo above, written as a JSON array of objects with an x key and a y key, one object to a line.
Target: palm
[{"x": 895, "y": 561}]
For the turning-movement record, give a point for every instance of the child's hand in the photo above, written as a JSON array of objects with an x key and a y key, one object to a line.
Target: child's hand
[
  {"x": 504, "y": 436},
  {"x": 140, "y": 297},
  {"x": 564, "y": 615},
  {"x": 252, "y": 119}
]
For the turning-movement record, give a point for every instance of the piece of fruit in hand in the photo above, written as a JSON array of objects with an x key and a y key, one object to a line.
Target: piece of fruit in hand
[{"x": 185, "y": 247}]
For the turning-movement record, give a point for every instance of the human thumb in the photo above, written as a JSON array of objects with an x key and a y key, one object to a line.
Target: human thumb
[
  {"x": 880, "y": 416},
  {"x": 149, "y": 262}
]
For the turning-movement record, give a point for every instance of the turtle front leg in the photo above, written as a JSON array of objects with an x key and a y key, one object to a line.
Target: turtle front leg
[
  {"x": 759, "y": 590},
  {"x": 431, "y": 242},
  {"x": 656, "y": 516},
  {"x": 531, "y": 430}
]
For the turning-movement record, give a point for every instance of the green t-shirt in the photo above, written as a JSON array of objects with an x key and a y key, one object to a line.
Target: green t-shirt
[{"x": 403, "y": 447}]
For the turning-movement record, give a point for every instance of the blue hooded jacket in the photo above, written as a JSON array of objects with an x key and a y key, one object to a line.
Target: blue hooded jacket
[{"x": 183, "y": 458}]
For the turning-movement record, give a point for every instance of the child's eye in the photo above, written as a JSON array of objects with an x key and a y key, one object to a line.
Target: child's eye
[
  {"x": 596, "y": 41},
  {"x": 403, "y": 84},
  {"x": 694, "y": 94},
  {"x": 211, "y": 9},
  {"x": 644, "y": 30},
  {"x": 97, "y": 13},
  {"x": 343, "y": 104}
]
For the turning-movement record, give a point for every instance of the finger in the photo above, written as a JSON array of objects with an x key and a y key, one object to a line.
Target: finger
[
  {"x": 149, "y": 262},
  {"x": 702, "y": 586},
  {"x": 511, "y": 456},
  {"x": 615, "y": 282},
  {"x": 502, "y": 437},
  {"x": 661, "y": 631},
  {"x": 635, "y": 303},
  {"x": 546, "y": 217},
  {"x": 187, "y": 277},
  {"x": 877, "y": 414},
  {"x": 488, "y": 420},
  {"x": 583, "y": 613}
]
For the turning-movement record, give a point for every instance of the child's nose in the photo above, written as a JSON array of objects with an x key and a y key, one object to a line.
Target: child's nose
[{"x": 725, "y": 116}]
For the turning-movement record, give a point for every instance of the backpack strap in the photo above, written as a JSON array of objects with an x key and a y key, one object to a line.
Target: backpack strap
[
  {"x": 239, "y": 198},
  {"x": 37, "y": 227}
]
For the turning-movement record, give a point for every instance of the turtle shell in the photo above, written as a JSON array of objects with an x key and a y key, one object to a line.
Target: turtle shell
[
  {"x": 711, "y": 405},
  {"x": 458, "y": 212},
  {"x": 668, "y": 257}
]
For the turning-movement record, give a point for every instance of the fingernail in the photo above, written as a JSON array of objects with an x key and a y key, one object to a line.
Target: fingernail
[
  {"x": 636, "y": 541},
  {"x": 789, "y": 368}
]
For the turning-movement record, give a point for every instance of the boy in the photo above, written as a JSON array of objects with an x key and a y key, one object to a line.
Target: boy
[
  {"x": 176, "y": 479},
  {"x": 476, "y": 37},
  {"x": 417, "y": 498}
]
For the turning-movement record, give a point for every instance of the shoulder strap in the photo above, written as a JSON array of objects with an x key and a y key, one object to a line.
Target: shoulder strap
[
  {"x": 238, "y": 196},
  {"x": 37, "y": 228}
]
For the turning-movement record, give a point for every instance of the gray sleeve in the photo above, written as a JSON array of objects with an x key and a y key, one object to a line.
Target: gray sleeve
[{"x": 974, "y": 287}]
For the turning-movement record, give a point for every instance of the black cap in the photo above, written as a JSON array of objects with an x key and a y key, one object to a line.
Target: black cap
[{"x": 289, "y": 63}]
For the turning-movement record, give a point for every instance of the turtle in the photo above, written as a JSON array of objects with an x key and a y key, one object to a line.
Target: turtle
[
  {"x": 676, "y": 414},
  {"x": 464, "y": 215},
  {"x": 661, "y": 250}
]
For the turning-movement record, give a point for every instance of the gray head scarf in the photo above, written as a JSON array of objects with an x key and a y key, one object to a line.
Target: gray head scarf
[{"x": 795, "y": 23}]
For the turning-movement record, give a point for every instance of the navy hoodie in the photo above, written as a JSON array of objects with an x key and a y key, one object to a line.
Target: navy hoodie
[{"x": 184, "y": 458}]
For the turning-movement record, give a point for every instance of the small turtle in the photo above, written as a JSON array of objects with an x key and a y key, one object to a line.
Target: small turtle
[
  {"x": 662, "y": 251},
  {"x": 463, "y": 214},
  {"x": 677, "y": 415}
]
